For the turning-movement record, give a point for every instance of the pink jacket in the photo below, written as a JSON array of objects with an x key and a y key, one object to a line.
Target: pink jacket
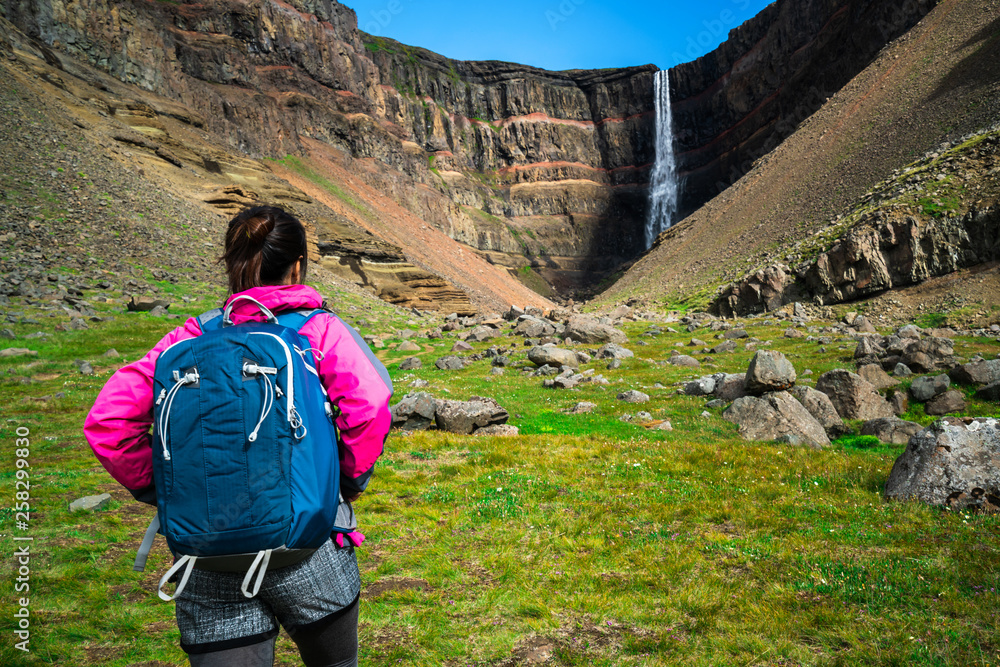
[{"x": 117, "y": 427}]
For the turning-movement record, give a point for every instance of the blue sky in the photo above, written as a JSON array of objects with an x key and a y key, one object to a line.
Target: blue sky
[{"x": 559, "y": 34}]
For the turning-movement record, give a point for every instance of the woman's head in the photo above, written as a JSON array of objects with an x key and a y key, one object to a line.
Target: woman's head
[{"x": 265, "y": 245}]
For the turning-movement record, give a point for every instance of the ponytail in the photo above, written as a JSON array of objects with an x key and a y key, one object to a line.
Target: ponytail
[{"x": 262, "y": 245}]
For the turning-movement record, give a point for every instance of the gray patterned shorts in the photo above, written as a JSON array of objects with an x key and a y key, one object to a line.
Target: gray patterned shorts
[{"x": 213, "y": 614}]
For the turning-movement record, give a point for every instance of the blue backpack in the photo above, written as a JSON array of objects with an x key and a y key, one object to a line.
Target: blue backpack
[{"x": 245, "y": 456}]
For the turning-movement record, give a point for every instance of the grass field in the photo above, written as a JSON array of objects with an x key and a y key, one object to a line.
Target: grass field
[{"x": 586, "y": 540}]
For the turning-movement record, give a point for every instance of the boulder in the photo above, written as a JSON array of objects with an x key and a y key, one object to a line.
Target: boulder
[
  {"x": 553, "y": 356},
  {"x": 450, "y": 363},
  {"x": 899, "y": 403},
  {"x": 503, "y": 430},
  {"x": 408, "y": 346},
  {"x": 978, "y": 373},
  {"x": 725, "y": 346},
  {"x": 703, "y": 386},
  {"x": 902, "y": 370},
  {"x": 863, "y": 325},
  {"x": 853, "y": 397},
  {"x": 633, "y": 396},
  {"x": 735, "y": 334},
  {"x": 583, "y": 407},
  {"x": 875, "y": 376},
  {"x": 929, "y": 354},
  {"x": 925, "y": 388},
  {"x": 821, "y": 408},
  {"x": 794, "y": 333},
  {"x": 684, "y": 360},
  {"x": 776, "y": 416},
  {"x": 410, "y": 364},
  {"x": 952, "y": 462},
  {"x": 534, "y": 327},
  {"x": 891, "y": 429},
  {"x": 467, "y": 416},
  {"x": 990, "y": 392},
  {"x": 589, "y": 330},
  {"x": 614, "y": 351},
  {"x": 90, "y": 503},
  {"x": 730, "y": 386},
  {"x": 868, "y": 346},
  {"x": 483, "y": 332},
  {"x": 17, "y": 352},
  {"x": 146, "y": 303},
  {"x": 946, "y": 403},
  {"x": 769, "y": 371},
  {"x": 415, "y": 412},
  {"x": 910, "y": 331},
  {"x": 461, "y": 346}
]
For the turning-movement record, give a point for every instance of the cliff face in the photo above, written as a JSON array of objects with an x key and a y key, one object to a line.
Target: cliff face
[
  {"x": 539, "y": 169},
  {"x": 739, "y": 102}
]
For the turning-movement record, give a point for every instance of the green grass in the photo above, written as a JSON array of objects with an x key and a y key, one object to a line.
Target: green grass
[{"x": 612, "y": 544}]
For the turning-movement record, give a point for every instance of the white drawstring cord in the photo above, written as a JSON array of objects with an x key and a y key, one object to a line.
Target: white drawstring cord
[
  {"x": 262, "y": 559},
  {"x": 189, "y": 561},
  {"x": 189, "y": 378},
  {"x": 265, "y": 407}
]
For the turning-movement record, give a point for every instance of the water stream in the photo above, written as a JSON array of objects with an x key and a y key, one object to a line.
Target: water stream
[{"x": 663, "y": 189}]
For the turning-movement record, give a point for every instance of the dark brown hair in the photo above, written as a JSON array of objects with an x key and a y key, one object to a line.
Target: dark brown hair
[{"x": 262, "y": 244}]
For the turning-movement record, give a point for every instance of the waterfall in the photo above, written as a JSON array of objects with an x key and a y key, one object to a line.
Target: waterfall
[{"x": 663, "y": 184}]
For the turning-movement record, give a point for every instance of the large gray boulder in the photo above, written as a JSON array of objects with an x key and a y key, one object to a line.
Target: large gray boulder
[
  {"x": 925, "y": 388},
  {"x": 769, "y": 371},
  {"x": 703, "y": 386},
  {"x": 875, "y": 376},
  {"x": 614, "y": 351},
  {"x": 589, "y": 330},
  {"x": 891, "y": 429},
  {"x": 952, "y": 462},
  {"x": 450, "y": 363},
  {"x": 821, "y": 408},
  {"x": 633, "y": 396},
  {"x": 852, "y": 397},
  {"x": 410, "y": 364},
  {"x": 483, "y": 332},
  {"x": 978, "y": 373},
  {"x": 776, "y": 416},
  {"x": 929, "y": 354},
  {"x": 946, "y": 403},
  {"x": 534, "y": 327},
  {"x": 730, "y": 386},
  {"x": 414, "y": 412},
  {"x": 683, "y": 360},
  {"x": 553, "y": 356},
  {"x": 467, "y": 416}
]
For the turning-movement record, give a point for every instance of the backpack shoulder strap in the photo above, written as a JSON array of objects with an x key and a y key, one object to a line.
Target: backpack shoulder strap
[
  {"x": 210, "y": 320},
  {"x": 296, "y": 319}
]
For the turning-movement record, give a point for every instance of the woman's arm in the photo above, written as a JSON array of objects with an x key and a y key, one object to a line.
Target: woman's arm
[
  {"x": 359, "y": 385},
  {"x": 117, "y": 427}
]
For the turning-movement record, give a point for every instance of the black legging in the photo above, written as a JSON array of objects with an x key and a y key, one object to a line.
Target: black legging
[{"x": 329, "y": 642}]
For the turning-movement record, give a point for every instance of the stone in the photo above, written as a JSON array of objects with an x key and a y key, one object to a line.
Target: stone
[
  {"x": 146, "y": 303},
  {"x": 899, "y": 403},
  {"x": 910, "y": 331},
  {"x": 730, "y": 386},
  {"x": 534, "y": 327},
  {"x": 852, "y": 397},
  {"x": 17, "y": 352},
  {"x": 8, "y": 334},
  {"x": 78, "y": 324},
  {"x": 735, "y": 334},
  {"x": 408, "y": 346},
  {"x": 502, "y": 430},
  {"x": 875, "y": 376},
  {"x": 583, "y": 407},
  {"x": 633, "y": 396},
  {"x": 85, "y": 368},
  {"x": 614, "y": 351},
  {"x": 928, "y": 354},
  {"x": 563, "y": 382},
  {"x": 407, "y": 334},
  {"x": 946, "y": 403},
  {"x": 981, "y": 372},
  {"x": 461, "y": 346},
  {"x": 684, "y": 360},
  {"x": 90, "y": 503},
  {"x": 990, "y": 392},
  {"x": 773, "y": 416},
  {"x": 863, "y": 325},
  {"x": 726, "y": 346},
  {"x": 450, "y": 363},
  {"x": 158, "y": 311},
  {"x": 467, "y": 416},
  {"x": 415, "y": 412},
  {"x": 111, "y": 353},
  {"x": 951, "y": 463},
  {"x": 902, "y": 370},
  {"x": 716, "y": 404},
  {"x": 821, "y": 408},
  {"x": 868, "y": 346},
  {"x": 697, "y": 342},
  {"x": 664, "y": 425},
  {"x": 793, "y": 333},
  {"x": 891, "y": 429},
  {"x": 545, "y": 355},
  {"x": 769, "y": 371},
  {"x": 589, "y": 330},
  {"x": 512, "y": 314},
  {"x": 482, "y": 333},
  {"x": 704, "y": 386},
  {"x": 925, "y": 388},
  {"x": 410, "y": 364},
  {"x": 614, "y": 364}
]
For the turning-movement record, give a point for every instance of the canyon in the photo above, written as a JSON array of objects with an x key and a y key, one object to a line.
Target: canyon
[{"x": 427, "y": 173}]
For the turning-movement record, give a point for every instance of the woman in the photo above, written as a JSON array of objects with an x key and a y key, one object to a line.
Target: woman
[{"x": 315, "y": 600}]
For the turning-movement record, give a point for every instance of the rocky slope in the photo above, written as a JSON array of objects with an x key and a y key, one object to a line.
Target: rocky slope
[{"x": 936, "y": 84}]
